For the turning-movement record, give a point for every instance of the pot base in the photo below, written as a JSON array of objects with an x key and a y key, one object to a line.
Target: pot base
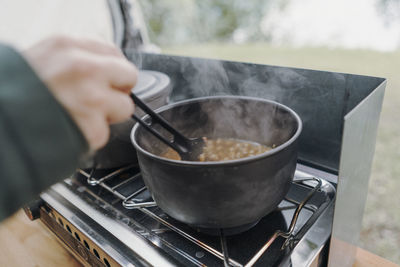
[{"x": 227, "y": 231}]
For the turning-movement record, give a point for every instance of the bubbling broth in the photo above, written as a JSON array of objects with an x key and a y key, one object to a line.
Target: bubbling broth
[{"x": 222, "y": 149}]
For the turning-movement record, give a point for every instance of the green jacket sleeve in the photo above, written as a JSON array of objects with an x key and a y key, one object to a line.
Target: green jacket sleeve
[{"x": 39, "y": 142}]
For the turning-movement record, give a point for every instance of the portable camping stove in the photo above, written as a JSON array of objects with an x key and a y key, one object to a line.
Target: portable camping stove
[{"x": 109, "y": 218}]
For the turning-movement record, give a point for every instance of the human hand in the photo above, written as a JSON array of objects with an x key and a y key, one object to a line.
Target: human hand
[{"x": 90, "y": 79}]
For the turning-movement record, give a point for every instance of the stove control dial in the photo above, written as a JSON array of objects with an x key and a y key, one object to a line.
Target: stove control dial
[{"x": 32, "y": 209}]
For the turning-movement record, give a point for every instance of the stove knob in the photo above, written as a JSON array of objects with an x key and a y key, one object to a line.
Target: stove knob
[{"x": 32, "y": 209}]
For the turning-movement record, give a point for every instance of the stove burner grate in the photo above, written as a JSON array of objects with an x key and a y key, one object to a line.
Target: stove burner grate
[{"x": 140, "y": 199}]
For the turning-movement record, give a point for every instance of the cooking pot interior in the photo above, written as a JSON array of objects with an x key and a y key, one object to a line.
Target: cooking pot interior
[{"x": 250, "y": 119}]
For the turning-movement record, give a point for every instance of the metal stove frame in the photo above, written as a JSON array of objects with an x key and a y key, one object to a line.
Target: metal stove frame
[{"x": 87, "y": 244}]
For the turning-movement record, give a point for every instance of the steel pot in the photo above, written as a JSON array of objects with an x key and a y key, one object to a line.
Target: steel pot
[
  {"x": 153, "y": 88},
  {"x": 222, "y": 194}
]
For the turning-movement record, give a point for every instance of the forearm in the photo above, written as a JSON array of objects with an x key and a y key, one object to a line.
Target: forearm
[{"x": 40, "y": 144}]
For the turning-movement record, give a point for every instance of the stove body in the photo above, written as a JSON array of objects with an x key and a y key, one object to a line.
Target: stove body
[{"x": 107, "y": 218}]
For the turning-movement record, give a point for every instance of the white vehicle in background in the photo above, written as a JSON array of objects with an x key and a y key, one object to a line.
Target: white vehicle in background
[
  {"x": 130, "y": 30},
  {"x": 24, "y": 22}
]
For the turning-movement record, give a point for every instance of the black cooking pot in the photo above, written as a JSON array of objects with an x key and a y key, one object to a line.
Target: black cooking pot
[{"x": 222, "y": 194}]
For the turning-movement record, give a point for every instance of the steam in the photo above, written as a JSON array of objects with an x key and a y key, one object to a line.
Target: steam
[
  {"x": 301, "y": 90},
  {"x": 252, "y": 122},
  {"x": 304, "y": 91},
  {"x": 206, "y": 77},
  {"x": 136, "y": 58},
  {"x": 321, "y": 99}
]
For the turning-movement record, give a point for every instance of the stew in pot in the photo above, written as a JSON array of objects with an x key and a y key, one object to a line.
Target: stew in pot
[{"x": 222, "y": 149}]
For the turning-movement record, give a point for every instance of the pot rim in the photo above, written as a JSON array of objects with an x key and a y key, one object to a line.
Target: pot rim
[{"x": 227, "y": 162}]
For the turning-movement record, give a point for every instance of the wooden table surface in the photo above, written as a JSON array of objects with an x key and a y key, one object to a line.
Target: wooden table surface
[{"x": 26, "y": 243}]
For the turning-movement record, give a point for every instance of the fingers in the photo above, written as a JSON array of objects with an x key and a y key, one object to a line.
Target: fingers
[
  {"x": 104, "y": 59},
  {"x": 95, "y": 129},
  {"x": 98, "y": 108},
  {"x": 88, "y": 45},
  {"x": 116, "y": 72},
  {"x": 119, "y": 106},
  {"x": 97, "y": 47},
  {"x": 119, "y": 73}
]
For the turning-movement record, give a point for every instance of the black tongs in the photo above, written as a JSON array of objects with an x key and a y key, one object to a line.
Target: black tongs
[{"x": 188, "y": 148}]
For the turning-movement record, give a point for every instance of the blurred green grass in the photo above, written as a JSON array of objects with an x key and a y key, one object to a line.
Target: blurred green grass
[{"x": 381, "y": 225}]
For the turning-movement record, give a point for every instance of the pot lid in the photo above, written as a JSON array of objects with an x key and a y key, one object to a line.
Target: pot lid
[{"x": 151, "y": 84}]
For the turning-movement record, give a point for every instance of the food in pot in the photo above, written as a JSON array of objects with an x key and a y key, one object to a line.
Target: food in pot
[{"x": 222, "y": 149}]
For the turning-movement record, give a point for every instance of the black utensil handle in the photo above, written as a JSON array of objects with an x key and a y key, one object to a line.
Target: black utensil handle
[
  {"x": 159, "y": 136},
  {"x": 155, "y": 117}
]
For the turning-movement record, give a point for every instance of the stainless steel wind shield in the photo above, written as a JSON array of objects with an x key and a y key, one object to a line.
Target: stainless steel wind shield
[{"x": 358, "y": 147}]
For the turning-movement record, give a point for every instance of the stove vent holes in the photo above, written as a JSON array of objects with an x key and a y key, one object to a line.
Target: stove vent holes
[
  {"x": 75, "y": 234},
  {"x": 106, "y": 262},
  {"x": 96, "y": 253},
  {"x": 77, "y": 237},
  {"x": 86, "y": 244}
]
